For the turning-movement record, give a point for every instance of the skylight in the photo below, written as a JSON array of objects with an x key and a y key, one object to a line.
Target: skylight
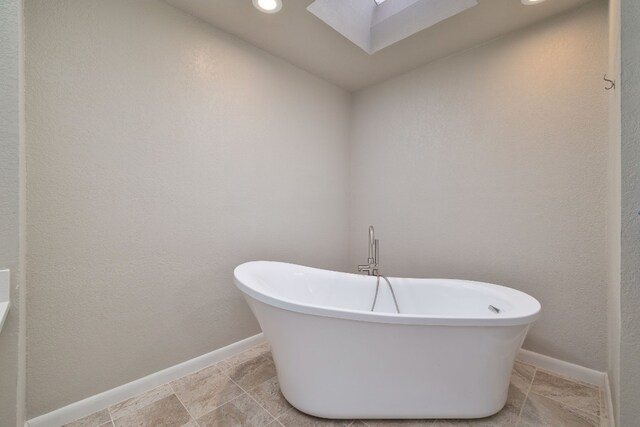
[{"x": 372, "y": 25}]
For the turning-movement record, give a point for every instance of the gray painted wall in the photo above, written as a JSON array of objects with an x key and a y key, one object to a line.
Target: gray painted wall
[
  {"x": 146, "y": 185},
  {"x": 162, "y": 153},
  {"x": 613, "y": 204},
  {"x": 630, "y": 286},
  {"x": 492, "y": 165},
  {"x": 12, "y": 335}
]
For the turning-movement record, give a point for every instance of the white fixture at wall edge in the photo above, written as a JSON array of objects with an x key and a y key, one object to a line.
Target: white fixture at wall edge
[{"x": 4, "y": 295}]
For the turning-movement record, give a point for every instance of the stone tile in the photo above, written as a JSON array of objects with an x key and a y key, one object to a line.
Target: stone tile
[
  {"x": 263, "y": 348},
  {"x": 268, "y": 395},
  {"x": 205, "y": 390},
  {"x": 223, "y": 365},
  {"x": 541, "y": 411},
  {"x": 134, "y": 404},
  {"x": 216, "y": 400},
  {"x": 524, "y": 370},
  {"x": 253, "y": 372},
  {"x": 501, "y": 419},
  {"x": 570, "y": 393},
  {"x": 295, "y": 418},
  {"x": 398, "y": 423},
  {"x": 252, "y": 353},
  {"x": 240, "y": 412},
  {"x": 166, "y": 412},
  {"x": 265, "y": 351},
  {"x": 521, "y": 384},
  {"x": 94, "y": 420}
]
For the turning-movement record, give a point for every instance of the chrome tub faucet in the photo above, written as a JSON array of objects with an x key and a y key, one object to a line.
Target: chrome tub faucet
[{"x": 371, "y": 268}]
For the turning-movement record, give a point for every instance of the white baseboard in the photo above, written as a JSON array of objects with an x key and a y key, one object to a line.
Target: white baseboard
[
  {"x": 103, "y": 400},
  {"x": 580, "y": 373},
  {"x": 100, "y": 401},
  {"x": 569, "y": 370}
]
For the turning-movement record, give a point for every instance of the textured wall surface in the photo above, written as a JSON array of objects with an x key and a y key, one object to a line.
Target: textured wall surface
[
  {"x": 630, "y": 283},
  {"x": 162, "y": 153},
  {"x": 11, "y": 372},
  {"x": 614, "y": 214},
  {"x": 491, "y": 165}
]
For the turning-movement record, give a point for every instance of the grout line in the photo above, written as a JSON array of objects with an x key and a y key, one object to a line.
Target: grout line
[
  {"x": 108, "y": 408},
  {"x": 276, "y": 419},
  {"x": 224, "y": 403},
  {"x": 220, "y": 372},
  {"x": 262, "y": 407},
  {"x": 526, "y": 396},
  {"x": 113, "y": 424},
  {"x": 251, "y": 397},
  {"x": 228, "y": 401},
  {"x": 565, "y": 405},
  {"x": 282, "y": 415},
  {"x": 568, "y": 378},
  {"x": 183, "y": 405},
  {"x": 249, "y": 394},
  {"x": 219, "y": 362},
  {"x": 557, "y": 401}
]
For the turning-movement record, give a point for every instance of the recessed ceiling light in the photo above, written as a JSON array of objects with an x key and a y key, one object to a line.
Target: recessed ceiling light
[
  {"x": 268, "y": 6},
  {"x": 530, "y": 2},
  {"x": 378, "y": 2}
]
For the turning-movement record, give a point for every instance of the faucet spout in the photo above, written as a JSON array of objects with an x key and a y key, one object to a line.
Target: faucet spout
[{"x": 372, "y": 245}]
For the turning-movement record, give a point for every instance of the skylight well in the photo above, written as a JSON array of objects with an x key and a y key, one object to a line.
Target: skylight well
[{"x": 374, "y": 25}]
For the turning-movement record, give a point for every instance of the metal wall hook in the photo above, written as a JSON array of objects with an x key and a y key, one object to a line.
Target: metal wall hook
[{"x": 612, "y": 83}]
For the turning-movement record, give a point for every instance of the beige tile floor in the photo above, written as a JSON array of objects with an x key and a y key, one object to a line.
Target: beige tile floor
[{"x": 243, "y": 391}]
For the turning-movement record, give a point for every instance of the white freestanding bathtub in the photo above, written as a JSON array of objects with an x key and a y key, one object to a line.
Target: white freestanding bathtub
[{"x": 446, "y": 355}]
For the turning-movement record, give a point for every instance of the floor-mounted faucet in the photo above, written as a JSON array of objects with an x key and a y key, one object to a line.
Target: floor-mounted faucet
[{"x": 372, "y": 263}]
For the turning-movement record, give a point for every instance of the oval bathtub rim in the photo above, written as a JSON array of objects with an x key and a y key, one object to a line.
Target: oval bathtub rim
[{"x": 385, "y": 318}]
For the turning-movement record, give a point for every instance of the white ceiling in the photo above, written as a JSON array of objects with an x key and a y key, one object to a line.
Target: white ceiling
[{"x": 302, "y": 39}]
